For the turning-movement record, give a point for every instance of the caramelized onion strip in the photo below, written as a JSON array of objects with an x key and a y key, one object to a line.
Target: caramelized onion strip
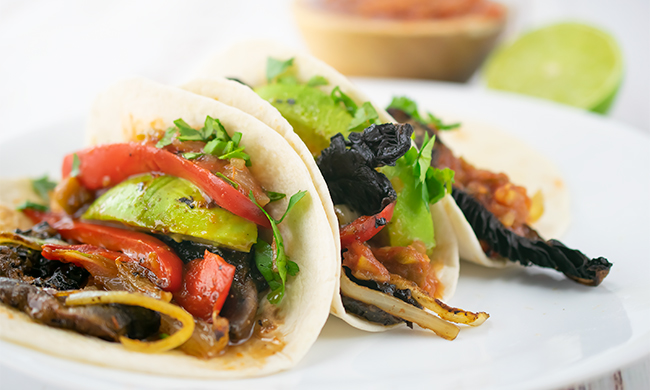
[
  {"x": 135, "y": 299},
  {"x": 398, "y": 308},
  {"x": 445, "y": 312}
]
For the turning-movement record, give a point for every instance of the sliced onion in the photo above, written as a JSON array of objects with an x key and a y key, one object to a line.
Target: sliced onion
[
  {"x": 135, "y": 299},
  {"x": 26, "y": 241},
  {"x": 398, "y": 308},
  {"x": 445, "y": 312}
]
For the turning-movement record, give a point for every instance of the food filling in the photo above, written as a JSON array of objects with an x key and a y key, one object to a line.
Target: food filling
[{"x": 154, "y": 245}]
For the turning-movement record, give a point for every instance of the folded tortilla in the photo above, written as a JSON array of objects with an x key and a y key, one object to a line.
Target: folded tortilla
[
  {"x": 130, "y": 109},
  {"x": 247, "y": 62}
]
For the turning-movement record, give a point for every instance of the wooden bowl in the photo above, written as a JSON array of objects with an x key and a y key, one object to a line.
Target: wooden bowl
[{"x": 442, "y": 49}]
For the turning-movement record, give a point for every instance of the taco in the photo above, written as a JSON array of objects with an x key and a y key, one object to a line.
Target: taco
[
  {"x": 398, "y": 249},
  {"x": 495, "y": 220},
  {"x": 170, "y": 220}
]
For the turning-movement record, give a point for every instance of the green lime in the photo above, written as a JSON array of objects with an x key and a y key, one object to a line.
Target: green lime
[{"x": 569, "y": 63}]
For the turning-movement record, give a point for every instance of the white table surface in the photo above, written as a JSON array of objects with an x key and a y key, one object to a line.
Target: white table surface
[{"x": 56, "y": 55}]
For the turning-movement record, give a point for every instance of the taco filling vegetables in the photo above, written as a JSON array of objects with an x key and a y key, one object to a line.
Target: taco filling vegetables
[
  {"x": 158, "y": 202},
  {"x": 388, "y": 200},
  {"x": 170, "y": 241},
  {"x": 500, "y": 213}
]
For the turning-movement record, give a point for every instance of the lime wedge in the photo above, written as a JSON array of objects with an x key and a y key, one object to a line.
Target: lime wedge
[{"x": 569, "y": 63}]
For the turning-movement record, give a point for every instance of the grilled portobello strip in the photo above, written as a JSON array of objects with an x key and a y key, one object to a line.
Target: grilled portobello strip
[
  {"x": 497, "y": 240},
  {"x": 107, "y": 322}
]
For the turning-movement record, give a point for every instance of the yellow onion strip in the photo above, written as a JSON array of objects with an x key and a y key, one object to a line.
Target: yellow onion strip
[
  {"x": 136, "y": 299},
  {"x": 11, "y": 238},
  {"x": 445, "y": 312},
  {"x": 398, "y": 308}
]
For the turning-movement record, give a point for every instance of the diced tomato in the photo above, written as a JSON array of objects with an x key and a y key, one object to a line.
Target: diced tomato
[
  {"x": 409, "y": 263},
  {"x": 363, "y": 264},
  {"x": 365, "y": 227},
  {"x": 206, "y": 283}
]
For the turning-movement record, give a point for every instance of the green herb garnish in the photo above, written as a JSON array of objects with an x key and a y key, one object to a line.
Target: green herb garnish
[
  {"x": 217, "y": 141},
  {"x": 192, "y": 155},
  {"x": 31, "y": 205},
  {"x": 275, "y": 68},
  {"x": 42, "y": 187},
  {"x": 275, "y": 196},
  {"x": 363, "y": 117},
  {"x": 340, "y": 97},
  {"x": 226, "y": 179},
  {"x": 317, "y": 81},
  {"x": 76, "y": 163},
  {"x": 410, "y": 107},
  {"x": 275, "y": 267}
]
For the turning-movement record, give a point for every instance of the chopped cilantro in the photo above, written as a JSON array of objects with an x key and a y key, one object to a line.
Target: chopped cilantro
[
  {"x": 317, "y": 81},
  {"x": 275, "y": 68},
  {"x": 192, "y": 155},
  {"x": 410, "y": 107},
  {"x": 340, "y": 97},
  {"x": 42, "y": 187},
  {"x": 31, "y": 205},
  {"x": 167, "y": 138},
  {"x": 227, "y": 179},
  {"x": 363, "y": 117},
  {"x": 275, "y": 267},
  {"x": 275, "y": 196},
  {"x": 76, "y": 163}
]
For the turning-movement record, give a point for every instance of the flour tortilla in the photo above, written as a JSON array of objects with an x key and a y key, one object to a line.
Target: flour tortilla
[
  {"x": 479, "y": 144},
  {"x": 134, "y": 107},
  {"x": 247, "y": 62}
]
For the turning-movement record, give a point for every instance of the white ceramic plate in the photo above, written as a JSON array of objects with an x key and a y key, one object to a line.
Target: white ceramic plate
[{"x": 544, "y": 331}]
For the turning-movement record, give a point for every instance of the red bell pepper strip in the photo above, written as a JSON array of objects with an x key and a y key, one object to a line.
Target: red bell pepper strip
[
  {"x": 107, "y": 165},
  {"x": 365, "y": 227},
  {"x": 150, "y": 252},
  {"x": 98, "y": 261},
  {"x": 206, "y": 284}
]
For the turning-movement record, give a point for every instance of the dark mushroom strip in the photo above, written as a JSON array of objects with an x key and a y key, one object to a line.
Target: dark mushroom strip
[{"x": 107, "y": 322}]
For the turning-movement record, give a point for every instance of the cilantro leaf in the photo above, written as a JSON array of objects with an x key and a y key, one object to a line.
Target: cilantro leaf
[
  {"x": 42, "y": 186},
  {"x": 438, "y": 183},
  {"x": 407, "y": 105},
  {"x": 339, "y": 97},
  {"x": 275, "y": 196},
  {"x": 274, "y": 267},
  {"x": 31, "y": 205},
  {"x": 275, "y": 67},
  {"x": 227, "y": 179},
  {"x": 363, "y": 117},
  {"x": 438, "y": 124},
  {"x": 410, "y": 107},
  {"x": 76, "y": 164},
  {"x": 424, "y": 158},
  {"x": 186, "y": 133},
  {"x": 192, "y": 155},
  {"x": 317, "y": 81},
  {"x": 167, "y": 138}
]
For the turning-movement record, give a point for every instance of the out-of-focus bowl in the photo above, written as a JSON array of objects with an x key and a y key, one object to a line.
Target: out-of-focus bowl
[{"x": 442, "y": 49}]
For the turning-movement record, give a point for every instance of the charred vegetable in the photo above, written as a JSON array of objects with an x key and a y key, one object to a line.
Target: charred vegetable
[
  {"x": 349, "y": 166},
  {"x": 527, "y": 248},
  {"x": 549, "y": 254}
]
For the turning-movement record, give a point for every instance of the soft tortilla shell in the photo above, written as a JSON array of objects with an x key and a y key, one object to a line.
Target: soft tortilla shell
[
  {"x": 247, "y": 62},
  {"x": 136, "y": 106},
  {"x": 13, "y": 193},
  {"x": 498, "y": 151}
]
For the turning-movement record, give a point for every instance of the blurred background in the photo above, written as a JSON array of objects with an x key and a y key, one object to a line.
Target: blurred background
[{"x": 56, "y": 55}]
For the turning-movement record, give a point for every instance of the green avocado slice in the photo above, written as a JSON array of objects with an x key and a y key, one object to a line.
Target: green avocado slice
[
  {"x": 412, "y": 218},
  {"x": 171, "y": 205},
  {"x": 312, "y": 113}
]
